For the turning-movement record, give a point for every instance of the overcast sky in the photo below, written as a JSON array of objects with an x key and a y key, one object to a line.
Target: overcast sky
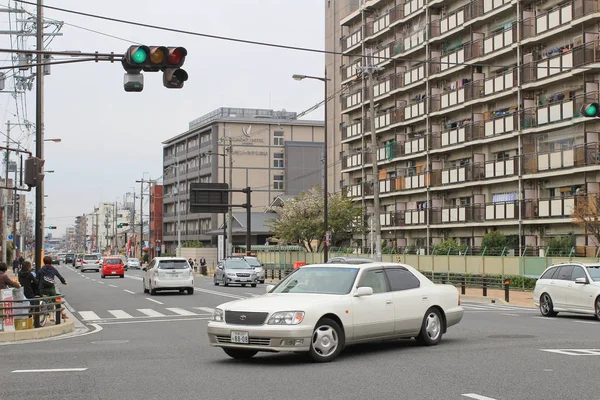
[{"x": 110, "y": 138}]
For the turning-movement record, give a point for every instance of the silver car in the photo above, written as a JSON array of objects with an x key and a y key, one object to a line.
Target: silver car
[
  {"x": 235, "y": 272},
  {"x": 90, "y": 262},
  {"x": 133, "y": 263}
]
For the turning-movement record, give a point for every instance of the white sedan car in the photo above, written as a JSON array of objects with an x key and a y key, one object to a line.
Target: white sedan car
[
  {"x": 320, "y": 309},
  {"x": 570, "y": 287}
]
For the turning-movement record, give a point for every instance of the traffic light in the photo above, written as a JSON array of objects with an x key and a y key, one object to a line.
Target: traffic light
[
  {"x": 33, "y": 171},
  {"x": 52, "y": 227},
  {"x": 122, "y": 224},
  {"x": 154, "y": 59},
  {"x": 590, "y": 110}
]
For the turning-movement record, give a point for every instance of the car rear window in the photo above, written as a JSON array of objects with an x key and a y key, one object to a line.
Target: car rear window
[
  {"x": 90, "y": 257},
  {"x": 112, "y": 261},
  {"x": 173, "y": 264}
]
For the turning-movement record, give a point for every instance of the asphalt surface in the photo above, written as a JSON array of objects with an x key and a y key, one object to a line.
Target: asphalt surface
[{"x": 119, "y": 352}]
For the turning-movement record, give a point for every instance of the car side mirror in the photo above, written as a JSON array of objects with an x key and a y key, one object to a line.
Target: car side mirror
[
  {"x": 581, "y": 281},
  {"x": 269, "y": 288},
  {"x": 363, "y": 291}
]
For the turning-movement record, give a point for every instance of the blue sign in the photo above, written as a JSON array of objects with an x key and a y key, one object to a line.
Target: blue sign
[{"x": 10, "y": 237}]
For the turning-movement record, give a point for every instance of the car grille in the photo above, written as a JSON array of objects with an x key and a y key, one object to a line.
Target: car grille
[
  {"x": 245, "y": 318},
  {"x": 251, "y": 341},
  {"x": 243, "y": 275}
]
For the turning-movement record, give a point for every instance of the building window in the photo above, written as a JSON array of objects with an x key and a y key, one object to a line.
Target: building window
[
  {"x": 278, "y": 182},
  {"x": 278, "y": 138},
  {"x": 278, "y": 160}
]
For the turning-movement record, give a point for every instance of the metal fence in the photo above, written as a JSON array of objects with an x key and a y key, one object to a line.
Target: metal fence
[{"x": 38, "y": 308}]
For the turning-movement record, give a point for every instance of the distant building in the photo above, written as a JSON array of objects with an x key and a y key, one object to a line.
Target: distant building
[
  {"x": 273, "y": 153},
  {"x": 156, "y": 219}
]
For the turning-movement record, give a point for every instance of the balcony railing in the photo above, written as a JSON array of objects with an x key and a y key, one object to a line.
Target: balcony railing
[
  {"x": 575, "y": 157},
  {"x": 494, "y": 42},
  {"x": 390, "y": 151},
  {"x": 448, "y": 61},
  {"x": 192, "y": 148},
  {"x": 352, "y": 100},
  {"x": 358, "y": 190},
  {"x": 389, "y": 83},
  {"x": 352, "y": 39},
  {"x": 464, "y": 173},
  {"x": 348, "y": 71},
  {"x": 205, "y": 143},
  {"x": 561, "y": 62},
  {"x": 414, "y": 75},
  {"x": 415, "y": 109},
  {"x": 555, "y": 207},
  {"x": 556, "y": 111},
  {"x": 557, "y": 17},
  {"x": 356, "y": 160},
  {"x": 501, "y": 168},
  {"x": 457, "y": 214},
  {"x": 448, "y": 23},
  {"x": 477, "y": 8},
  {"x": 458, "y": 135},
  {"x": 415, "y": 145},
  {"x": 502, "y": 210},
  {"x": 352, "y": 130}
]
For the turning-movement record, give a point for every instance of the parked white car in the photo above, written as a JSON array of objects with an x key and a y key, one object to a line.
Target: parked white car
[
  {"x": 320, "y": 309},
  {"x": 570, "y": 287},
  {"x": 168, "y": 273}
]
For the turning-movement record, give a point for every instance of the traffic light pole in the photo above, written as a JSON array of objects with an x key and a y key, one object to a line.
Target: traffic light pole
[
  {"x": 39, "y": 137},
  {"x": 5, "y": 197}
]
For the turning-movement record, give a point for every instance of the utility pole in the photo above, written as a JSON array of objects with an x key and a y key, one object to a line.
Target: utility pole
[
  {"x": 16, "y": 210},
  {"x": 370, "y": 70},
  {"x": 39, "y": 136},
  {"x": 141, "y": 220},
  {"x": 229, "y": 247},
  {"x": 116, "y": 245},
  {"x": 5, "y": 197}
]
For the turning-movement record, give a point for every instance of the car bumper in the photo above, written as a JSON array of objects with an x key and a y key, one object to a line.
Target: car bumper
[
  {"x": 89, "y": 266},
  {"x": 172, "y": 283},
  {"x": 233, "y": 280},
  {"x": 454, "y": 316},
  {"x": 261, "y": 338}
]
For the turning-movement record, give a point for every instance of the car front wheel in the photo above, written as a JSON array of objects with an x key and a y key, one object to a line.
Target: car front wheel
[
  {"x": 327, "y": 341},
  {"x": 598, "y": 308}
]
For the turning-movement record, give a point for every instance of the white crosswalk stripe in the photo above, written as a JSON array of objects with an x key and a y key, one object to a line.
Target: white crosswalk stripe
[
  {"x": 120, "y": 314},
  {"x": 88, "y": 315},
  {"x": 150, "y": 312},
  {"x": 142, "y": 313}
]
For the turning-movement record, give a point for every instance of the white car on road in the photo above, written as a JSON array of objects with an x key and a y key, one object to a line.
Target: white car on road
[
  {"x": 319, "y": 309},
  {"x": 570, "y": 287},
  {"x": 133, "y": 263},
  {"x": 168, "y": 273}
]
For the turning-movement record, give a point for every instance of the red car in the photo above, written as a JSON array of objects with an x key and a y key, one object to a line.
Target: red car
[{"x": 113, "y": 266}]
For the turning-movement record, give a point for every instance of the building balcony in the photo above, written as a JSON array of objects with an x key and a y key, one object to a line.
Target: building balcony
[
  {"x": 358, "y": 190},
  {"x": 353, "y": 99},
  {"x": 351, "y": 70},
  {"x": 205, "y": 143},
  {"x": 537, "y": 27},
  {"x": 579, "y": 156},
  {"x": 388, "y": 84},
  {"x": 555, "y": 64},
  {"x": 556, "y": 111},
  {"x": 352, "y": 130},
  {"x": 554, "y": 207},
  {"x": 448, "y": 23},
  {"x": 495, "y": 42},
  {"x": 390, "y": 151},
  {"x": 352, "y": 39},
  {"x": 356, "y": 159},
  {"x": 193, "y": 148},
  {"x": 479, "y": 8},
  {"x": 446, "y": 62}
]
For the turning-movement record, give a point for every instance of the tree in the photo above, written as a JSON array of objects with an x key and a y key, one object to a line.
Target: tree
[
  {"x": 301, "y": 220},
  {"x": 560, "y": 246},
  {"x": 494, "y": 242},
  {"x": 586, "y": 215},
  {"x": 192, "y": 244},
  {"x": 448, "y": 246}
]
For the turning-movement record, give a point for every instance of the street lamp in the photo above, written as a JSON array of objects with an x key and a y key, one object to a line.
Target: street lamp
[
  {"x": 55, "y": 140},
  {"x": 324, "y": 79}
]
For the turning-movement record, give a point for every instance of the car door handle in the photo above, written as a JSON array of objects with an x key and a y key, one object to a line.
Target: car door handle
[{"x": 389, "y": 302}]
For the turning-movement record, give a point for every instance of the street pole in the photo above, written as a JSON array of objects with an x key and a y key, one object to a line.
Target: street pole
[
  {"x": 325, "y": 181},
  {"x": 5, "y": 198},
  {"x": 115, "y": 242},
  {"x": 178, "y": 211},
  {"x": 229, "y": 248},
  {"x": 374, "y": 143},
  {"x": 141, "y": 220},
  {"x": 15, "y": 216},
  {"x": 39, "y": 136}
]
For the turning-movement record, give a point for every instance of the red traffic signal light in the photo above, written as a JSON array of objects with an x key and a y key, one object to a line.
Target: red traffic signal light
[{"x": 176, "y": 57}]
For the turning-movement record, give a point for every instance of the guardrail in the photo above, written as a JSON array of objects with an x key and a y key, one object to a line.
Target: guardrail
[{"x": 39, "y": 308}]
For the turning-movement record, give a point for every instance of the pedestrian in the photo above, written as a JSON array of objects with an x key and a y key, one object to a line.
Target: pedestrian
[
  {"x": 191, "y": 262},
  {"x": 28, "y": 281},
  {"x": 203, "y": 262},
  {"x": 15, "y": 265},
  {"x": 48, "y": 275},
  {"x": 5, "y": 281}
]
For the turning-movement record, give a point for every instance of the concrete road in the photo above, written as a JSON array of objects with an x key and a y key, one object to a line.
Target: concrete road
[{"x": 155, "y": 347}]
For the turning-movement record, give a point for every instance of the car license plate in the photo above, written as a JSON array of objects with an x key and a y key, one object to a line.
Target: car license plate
[
  {"x": 114, "y": 272},
  {"x": 239, "y": 337}
]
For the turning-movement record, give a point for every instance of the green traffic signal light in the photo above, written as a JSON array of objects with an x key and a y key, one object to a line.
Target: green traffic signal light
[
  {"x": 139, "y": 56},
  {"x": 590, "y": 110}
]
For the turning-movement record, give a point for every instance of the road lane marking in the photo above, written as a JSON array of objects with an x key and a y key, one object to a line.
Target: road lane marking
[
  {"x": 253, "y": 294},
  {"x": 120, "y": 314},
  {"x": 477, "y": 396},
  {"x": 150, "y": 312},
  {"x": 155, "y": 301},
  {"x": 233, "y": 296},
  {"x": 205, "y": 309},
  {"x": 128, "y": 291},
  {"x": 17, "y": 371},
  {"x": 574, "y": 352},
  {"x": 102, "y": 283},
  {"x": 88, "y": 315},
  {"x": 157, "y": 320},
  {"x": 510, "y": 315},
  {"x": 111, "y": 285},
  {"x": 547, "y": 318},
  {"x": 586, "y": 322},
  {"x": 181, "y": 311}
]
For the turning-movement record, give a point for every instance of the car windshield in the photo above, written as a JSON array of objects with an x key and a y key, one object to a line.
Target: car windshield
[
  {"x": 594, "y": 272},
  {"x": 237, "y": 264},
  {"x": 113, "y": 261},
  {"x": 173, "y": 264},
  {"x": 133, "y": 260},
  {"x": 90, "y": 257},
  {"x": 69, "y": 255},
  {"x": 319, "y": 280},
  {"x": 253, "y": 262}
]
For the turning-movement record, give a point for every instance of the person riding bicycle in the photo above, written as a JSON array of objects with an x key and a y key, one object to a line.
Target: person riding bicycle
[
  {"x": 28, "y": 281},
  {"x": 47, "y": 281}
]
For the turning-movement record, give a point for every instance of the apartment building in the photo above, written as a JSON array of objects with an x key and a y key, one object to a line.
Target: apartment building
[
  {"x": 273, "y": 153},
  {"x": 477, "y": 115},
  {"x": 156, "y": 220},
  {"x": 102, "y": 227}
]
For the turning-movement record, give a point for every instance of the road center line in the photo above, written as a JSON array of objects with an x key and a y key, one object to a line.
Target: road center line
[
  {"x": 128, "y": 291},
  {"x": 17, "y": 371},
  {"x": 155, "y": 301},
  {"x": 477, "y": 396}
]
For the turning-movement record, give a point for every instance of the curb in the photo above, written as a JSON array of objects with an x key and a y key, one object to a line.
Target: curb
[
  {"x": 38, "y": 333},
  {"x": 492, "y": 300}
]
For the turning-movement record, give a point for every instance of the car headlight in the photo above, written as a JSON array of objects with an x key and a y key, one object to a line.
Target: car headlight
[
  {"x": 230, "y": 274},
  {"x": 286, "y": 318},
  {"x": 218, "y": 315}
]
